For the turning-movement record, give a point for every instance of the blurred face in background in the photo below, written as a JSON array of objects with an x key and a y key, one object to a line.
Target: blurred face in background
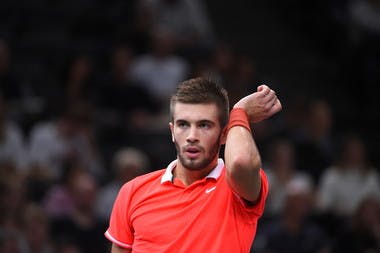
[
  {"x": 299, "y": 200},
  {"x": 283, "y": 156},
  {"x": 320, "y": 118},
  {"x": 80, "y": 69},
  {"x": 84, "y": 192},
  {"x": 354, "y": 154}
]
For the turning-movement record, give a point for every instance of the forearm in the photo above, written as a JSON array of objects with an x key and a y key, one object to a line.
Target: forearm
[
  {"x": 243, "y": 162},
  {"x": 242, "y": 157}
]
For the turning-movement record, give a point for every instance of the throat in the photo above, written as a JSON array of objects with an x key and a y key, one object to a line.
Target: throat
[{"x": 187, "y": 176}]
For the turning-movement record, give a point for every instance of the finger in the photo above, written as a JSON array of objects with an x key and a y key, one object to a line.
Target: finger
[
  {"x": 264, "y": 90},
  {"x": 277, "y": 106},
  {"x": 270, "y": 102},
  {"x": 270, "y": 96}
]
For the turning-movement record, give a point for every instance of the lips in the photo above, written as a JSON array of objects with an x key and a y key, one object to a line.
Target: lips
[{"x": 192, "y": 152}]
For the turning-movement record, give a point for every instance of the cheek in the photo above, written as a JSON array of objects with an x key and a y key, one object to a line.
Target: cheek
[
  {"x": 211, "y": 142},
  {"x": 178, "y": 136}
]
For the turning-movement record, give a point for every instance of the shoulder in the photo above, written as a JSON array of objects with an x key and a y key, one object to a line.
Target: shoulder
[
  {"x": 138, "y": 188},
  {"x": 143, "y": 180},
  {"x": 150, "y": 176}
]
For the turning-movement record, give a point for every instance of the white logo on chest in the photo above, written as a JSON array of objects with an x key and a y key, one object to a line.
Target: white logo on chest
[{"x": 210, "y": 189}]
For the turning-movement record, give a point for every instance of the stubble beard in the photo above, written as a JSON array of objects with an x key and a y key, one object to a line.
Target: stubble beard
[{"x": 196, "y": 164}]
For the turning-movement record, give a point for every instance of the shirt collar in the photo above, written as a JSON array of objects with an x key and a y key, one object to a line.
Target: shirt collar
[{"x": 215, "y": 173}]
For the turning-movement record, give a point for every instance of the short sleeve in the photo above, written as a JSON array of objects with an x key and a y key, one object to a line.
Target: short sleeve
[
  {"x": 120, "y": 231},
  {"x": 260, "y": 205},
  {"x": 257, "y": 209}
]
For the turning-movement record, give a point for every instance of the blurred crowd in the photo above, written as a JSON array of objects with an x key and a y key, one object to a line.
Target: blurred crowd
[{"x": 87, "y": 110}]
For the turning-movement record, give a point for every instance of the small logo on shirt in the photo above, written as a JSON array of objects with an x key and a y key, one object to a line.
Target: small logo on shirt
[{"x": 210, "y": 189}]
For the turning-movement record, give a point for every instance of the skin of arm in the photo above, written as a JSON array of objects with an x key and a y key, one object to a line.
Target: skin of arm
[
  {"x": 242, "y": 158},
  {"x": 117, "y": 249}
]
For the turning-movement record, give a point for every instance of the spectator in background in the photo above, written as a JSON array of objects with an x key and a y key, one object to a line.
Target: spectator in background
[
  {"x": 12, "y": 142},
  {"x": 80, "y": 226},
  {"x": 10, "y": 241},
  {"x": 366, "y": 15},
  {"x": 13, "y": 198},
  {"x": 294, "y": 117},
  {"x": 35, "y": 231},
  {"x": 351, "y": 179},
  {"x": 59, "y": 198},
  {"x": 294, "y": 231},
  {"x": 137, "y": 31},
  {"x": 75, "y": 83},
  {"x": 362, "y": 234},
  {"x": 68, "y": 247},
  {"x": 128, "y": 163},
  {"x": 243, "y": 78},
  {"x": 69, "y": 138},
  {"x": 281, "y": 170},
  {"x": 219, "y": 65},
  {"x": 314, "y": 145},
  {"x": 22, "y": 88},
  {"x": 186, "y": 20},
  {"x": 119, "y": 98},
  {"x": 160, "y": 70},
  {"x": 78, "y": 80}
]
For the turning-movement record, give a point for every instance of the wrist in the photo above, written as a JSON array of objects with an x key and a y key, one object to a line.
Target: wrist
[
  {"x": 238, "y": 117},
  {"x": 239, "y": 105}
]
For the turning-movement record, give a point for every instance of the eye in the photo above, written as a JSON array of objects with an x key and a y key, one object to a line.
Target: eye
[
  {"x": 182, "y": 124},
  {"x": 204, "y": 125}
]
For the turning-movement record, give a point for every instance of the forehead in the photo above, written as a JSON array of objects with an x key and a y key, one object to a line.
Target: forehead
[{"x": 195, "y": 112}]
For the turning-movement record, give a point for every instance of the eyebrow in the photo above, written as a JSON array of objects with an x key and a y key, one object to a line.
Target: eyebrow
[
  {"x": 206, "y": 121},
  {"x": 198, "y": 121}
]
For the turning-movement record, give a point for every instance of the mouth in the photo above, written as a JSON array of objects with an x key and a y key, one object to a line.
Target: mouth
[{"x": 192, "y": 152}]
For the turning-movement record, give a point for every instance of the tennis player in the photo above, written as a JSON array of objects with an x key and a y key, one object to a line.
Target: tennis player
[{"x": 200, "y": 202}]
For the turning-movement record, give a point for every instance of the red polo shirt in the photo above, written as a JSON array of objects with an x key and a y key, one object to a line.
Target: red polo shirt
[{"x": 154, "y": 214}]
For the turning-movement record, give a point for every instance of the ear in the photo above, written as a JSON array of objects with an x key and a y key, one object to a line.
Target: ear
[
  {"x": 224, "y": 135},
  {"x": 171, "y": 126}
]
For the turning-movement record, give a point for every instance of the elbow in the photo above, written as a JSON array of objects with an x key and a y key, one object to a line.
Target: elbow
[{"x": 244, "y": 162}]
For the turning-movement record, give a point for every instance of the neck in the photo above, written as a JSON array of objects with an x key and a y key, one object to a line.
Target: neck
[{"x": 188, "y": 176}]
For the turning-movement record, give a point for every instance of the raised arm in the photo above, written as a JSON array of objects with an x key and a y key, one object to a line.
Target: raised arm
[{"x": 242, "y": 158}]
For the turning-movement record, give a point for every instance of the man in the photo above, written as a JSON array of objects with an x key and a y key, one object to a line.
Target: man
[{"x": 198, "y": 203}]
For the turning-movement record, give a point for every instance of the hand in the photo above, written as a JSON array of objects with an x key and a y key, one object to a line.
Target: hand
[{"x": 261, "y": 104}]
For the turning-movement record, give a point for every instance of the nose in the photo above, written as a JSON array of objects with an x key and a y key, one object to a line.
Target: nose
[{"x": 192, "y": 136}]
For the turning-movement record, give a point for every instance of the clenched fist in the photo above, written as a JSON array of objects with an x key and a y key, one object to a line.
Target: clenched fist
[{"x": 261, "y": 104}]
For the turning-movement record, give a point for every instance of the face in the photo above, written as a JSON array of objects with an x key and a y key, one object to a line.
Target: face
[{"x": 197, "y": 135}]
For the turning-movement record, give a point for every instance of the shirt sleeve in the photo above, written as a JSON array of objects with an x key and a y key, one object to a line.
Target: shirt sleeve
[
  {"x": 257, "y": 208},
  {"x": 120, "y": 230}
]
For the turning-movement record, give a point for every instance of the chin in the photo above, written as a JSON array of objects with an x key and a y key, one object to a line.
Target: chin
[{"x": 194, "y": 164}]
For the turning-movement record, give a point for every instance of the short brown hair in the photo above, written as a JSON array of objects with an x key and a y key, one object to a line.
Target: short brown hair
[{"x": 202, "y": 91}]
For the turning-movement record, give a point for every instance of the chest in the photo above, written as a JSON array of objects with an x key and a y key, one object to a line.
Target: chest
[{"x": 171, "y": 213}]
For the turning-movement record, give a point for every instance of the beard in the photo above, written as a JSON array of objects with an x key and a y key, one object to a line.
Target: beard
[{"x": 198, "y": 164}]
